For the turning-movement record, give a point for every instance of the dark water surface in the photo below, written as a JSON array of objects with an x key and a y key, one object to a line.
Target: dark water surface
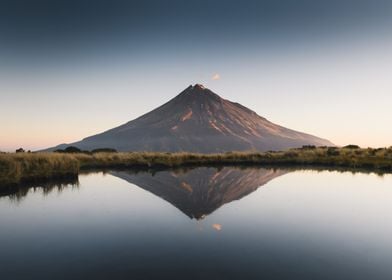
[{"x": 204, "y": 223}]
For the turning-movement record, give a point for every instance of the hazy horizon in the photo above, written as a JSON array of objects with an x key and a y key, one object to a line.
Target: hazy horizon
[{"x": 71, "y": 69}]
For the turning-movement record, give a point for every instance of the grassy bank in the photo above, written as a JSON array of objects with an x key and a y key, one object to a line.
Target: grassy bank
[
  {"x": 24, "y": 167},
  {"x": 30, "y": 167}
]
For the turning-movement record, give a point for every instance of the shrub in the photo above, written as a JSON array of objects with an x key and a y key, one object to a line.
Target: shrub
[
  {"x": 333, "y": 151},
  {"x": 104, "y": 150},
  {"x": 371, "y": 152},
  {"x": 351, "y": 147},
  {"x": 72, "y": 150},
  {"x": 69, "y": 150},
  {"x": 308, "y": 147}
]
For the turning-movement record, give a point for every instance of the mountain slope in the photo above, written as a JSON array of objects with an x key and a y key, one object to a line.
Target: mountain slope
[{"x": 198, "y": 120}]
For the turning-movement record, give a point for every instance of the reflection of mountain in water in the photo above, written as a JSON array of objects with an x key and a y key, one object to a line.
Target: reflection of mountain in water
[{"x": 201, "y": 191}]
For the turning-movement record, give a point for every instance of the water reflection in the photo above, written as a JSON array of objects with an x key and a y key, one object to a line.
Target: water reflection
[
  {"x": 199, "y": 192},
  {"x": 20, "y": 191},
  {"x": 196, "y": 192},
  {"x": 122, "y": 225}
]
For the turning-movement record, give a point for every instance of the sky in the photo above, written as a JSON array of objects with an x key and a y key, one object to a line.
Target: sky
[{"x": 71, "y": 69}]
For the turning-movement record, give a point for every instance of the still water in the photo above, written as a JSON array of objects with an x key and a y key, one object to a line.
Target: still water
[{"x": 203, "y": 223}]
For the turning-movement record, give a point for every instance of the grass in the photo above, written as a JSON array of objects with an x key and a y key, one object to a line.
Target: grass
[{"x": 25, "y": 167}]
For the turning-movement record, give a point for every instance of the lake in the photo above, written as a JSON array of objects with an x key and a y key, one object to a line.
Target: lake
[{"x": 202, "y": 223}]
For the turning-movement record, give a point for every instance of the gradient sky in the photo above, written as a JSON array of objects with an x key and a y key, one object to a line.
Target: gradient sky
[{"x": 70, "y": 69}]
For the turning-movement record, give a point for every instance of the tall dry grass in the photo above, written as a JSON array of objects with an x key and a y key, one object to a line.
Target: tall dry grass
[
  {"x": 19, "y": 167},
  {"x": 15, "y": 168}
]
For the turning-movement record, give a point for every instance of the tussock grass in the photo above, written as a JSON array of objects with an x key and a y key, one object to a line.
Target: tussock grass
[{"x": 22, "y": 167}]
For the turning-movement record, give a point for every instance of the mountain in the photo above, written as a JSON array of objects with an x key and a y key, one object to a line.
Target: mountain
[
  {"x": 199, "y": 192},
  {"x": 198, "y": 120}
]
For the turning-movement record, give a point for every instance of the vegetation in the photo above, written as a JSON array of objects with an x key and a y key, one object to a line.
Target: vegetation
[
  {"x": 22, "y": 167},
  {"x": 351, "y": 147},
  {"x": 76, "y": 150},
  {"x": 69, "y": 150},
  {"x": 104, "y": 150},
  {"x": 25, "y": 167}
]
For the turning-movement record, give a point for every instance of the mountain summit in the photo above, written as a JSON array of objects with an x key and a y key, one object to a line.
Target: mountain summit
[{"x": 198, "y": 120}]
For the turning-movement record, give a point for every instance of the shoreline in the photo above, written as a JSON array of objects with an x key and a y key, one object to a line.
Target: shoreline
[{"x": 22, "y": 168}]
